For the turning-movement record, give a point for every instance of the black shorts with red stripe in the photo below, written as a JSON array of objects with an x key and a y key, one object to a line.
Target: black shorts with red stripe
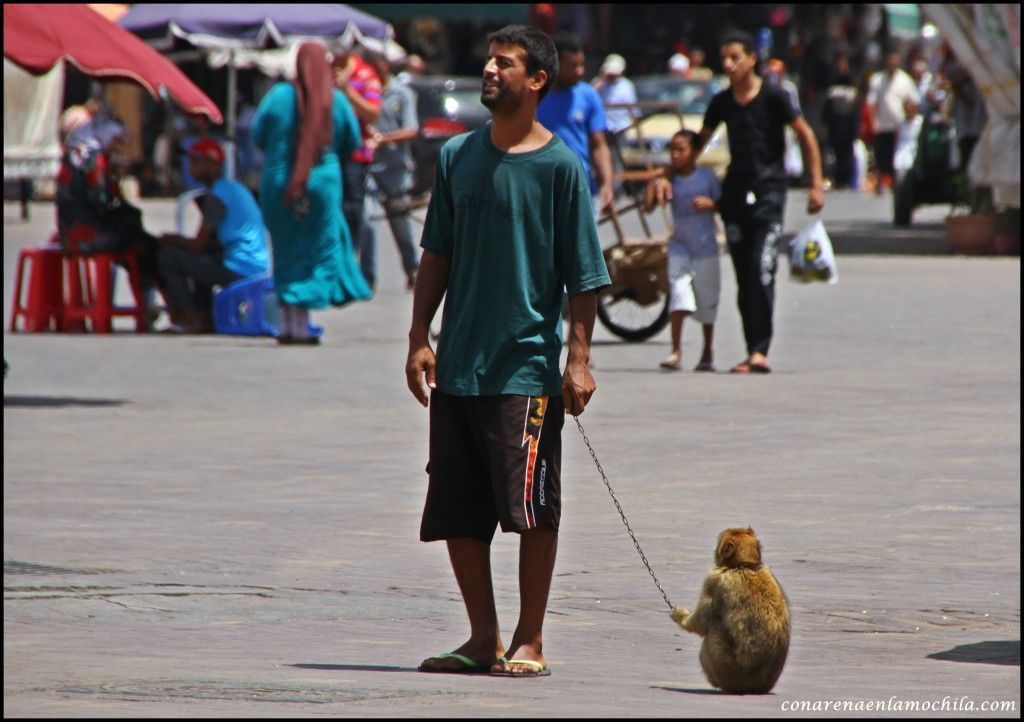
[{"x": 493, "y": 460}]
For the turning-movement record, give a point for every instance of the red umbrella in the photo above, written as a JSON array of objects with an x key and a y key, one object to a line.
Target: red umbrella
[{"x": 37, "y": 37}]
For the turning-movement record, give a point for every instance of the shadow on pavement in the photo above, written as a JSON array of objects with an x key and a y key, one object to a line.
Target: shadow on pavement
[
  {"x": 690, "y": 691},
  {"x": 15, "y": 567},
  {"x": 57, "y": 401},
  {"x": 655, "y": 369},
  {"x": 354, "y": 667},
  {"x": 1006, "y": 652},
  {"x": 617, "y": 342}
]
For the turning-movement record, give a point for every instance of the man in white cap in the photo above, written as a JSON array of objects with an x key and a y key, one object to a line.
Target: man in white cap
[
  {"x": 679, "y": 65},
  {"x": 615, "y": 89}
]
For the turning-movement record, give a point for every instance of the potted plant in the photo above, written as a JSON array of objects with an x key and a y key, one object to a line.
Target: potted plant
[{"x": 971, "y": 225}]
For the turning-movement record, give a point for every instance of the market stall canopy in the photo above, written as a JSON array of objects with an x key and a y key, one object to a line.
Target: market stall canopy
[
  {"x": 37, "y": 37},
  {"x": 986, "y": 40},
  {"x": 31, "y": 120},
  {"x": 260, "y": 35},
  {"x": 452, "y": 12},
  {"x": 255, "y": 25}
]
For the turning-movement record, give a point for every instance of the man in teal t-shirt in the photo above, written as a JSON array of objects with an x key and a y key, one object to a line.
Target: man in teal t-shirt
[{"x": 509, "y": 230}]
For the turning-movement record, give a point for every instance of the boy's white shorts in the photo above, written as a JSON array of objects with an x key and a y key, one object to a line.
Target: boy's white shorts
[{"x": 694, "y": 285}]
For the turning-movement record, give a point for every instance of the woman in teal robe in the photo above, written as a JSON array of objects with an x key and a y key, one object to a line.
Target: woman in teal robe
[{"x": 304, "y": 129}]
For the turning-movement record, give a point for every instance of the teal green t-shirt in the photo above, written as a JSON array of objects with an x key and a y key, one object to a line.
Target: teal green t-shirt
[{"x": 518, "y": 230}]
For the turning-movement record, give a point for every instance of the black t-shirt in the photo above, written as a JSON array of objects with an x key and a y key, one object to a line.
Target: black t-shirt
[{"x": 757, "y": 142}]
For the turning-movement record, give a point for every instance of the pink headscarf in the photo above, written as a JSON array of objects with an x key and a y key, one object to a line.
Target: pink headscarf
[{"x": 314, "y": 86}]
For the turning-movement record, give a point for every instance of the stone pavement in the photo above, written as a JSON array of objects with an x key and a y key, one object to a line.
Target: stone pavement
[{"x": 216, "y": 526}]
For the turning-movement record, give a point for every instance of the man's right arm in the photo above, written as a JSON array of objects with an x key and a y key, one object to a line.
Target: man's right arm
[
  {"x": 431, "y": 279},
  {"x": 711, "y": 121},
  {"x": 431, "y": 282},
  {"x": 206, "y": 240},
  {"x": 601, "y": 160},
  {"x": 578, "y": 383}
]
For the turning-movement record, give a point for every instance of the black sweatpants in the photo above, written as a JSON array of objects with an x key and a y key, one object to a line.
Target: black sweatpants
[
  {"x": 754, "y": 234},
  {"x": 353, "y": 198},
  {"x": 885, "y": 151}
]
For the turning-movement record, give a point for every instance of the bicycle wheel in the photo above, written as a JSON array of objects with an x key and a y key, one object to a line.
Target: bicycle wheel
[{"x": 622, "y": 315}]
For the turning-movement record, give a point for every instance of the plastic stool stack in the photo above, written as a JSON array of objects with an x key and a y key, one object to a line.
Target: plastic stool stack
[
  {"x": 43, "y": 309},
  {"x": 91, "y": 291}
]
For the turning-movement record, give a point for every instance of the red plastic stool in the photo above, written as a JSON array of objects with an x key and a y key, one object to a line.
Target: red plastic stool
[
  {"x": 91, "y": 291},
  {"x": 44, "y": 307}
]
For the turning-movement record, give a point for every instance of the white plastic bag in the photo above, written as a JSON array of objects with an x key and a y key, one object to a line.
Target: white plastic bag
[
  {"x": 793, "y": 159},
  {"x": 860, "y": 165},
  {"x": 811, "y": 257},
  {"x": 906, "y": 144}
]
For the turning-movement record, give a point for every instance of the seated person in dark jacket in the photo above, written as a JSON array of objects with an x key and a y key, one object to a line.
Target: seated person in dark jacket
[
  {"x": 231, "y": 244},
  {"x": 92, "y": 217}
]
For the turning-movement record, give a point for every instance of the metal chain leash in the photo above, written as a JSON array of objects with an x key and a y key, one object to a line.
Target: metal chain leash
[{"x": 621, "y": 513}]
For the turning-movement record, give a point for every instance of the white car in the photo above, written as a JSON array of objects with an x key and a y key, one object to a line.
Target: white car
[{"x": 646, "y": 144}]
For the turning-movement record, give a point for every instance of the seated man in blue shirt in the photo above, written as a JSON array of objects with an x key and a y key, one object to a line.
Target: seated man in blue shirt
[{"x": 231, "y": 244}]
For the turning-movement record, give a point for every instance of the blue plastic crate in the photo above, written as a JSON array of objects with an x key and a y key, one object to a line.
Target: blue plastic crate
[{"x": 249, "y": 308}]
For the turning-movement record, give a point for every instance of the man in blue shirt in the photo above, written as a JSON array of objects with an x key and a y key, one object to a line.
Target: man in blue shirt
[
  {"x": 231, "y": 244},
  {"x": 392, "y": 169},
  {"x": 573, "y": 111}
]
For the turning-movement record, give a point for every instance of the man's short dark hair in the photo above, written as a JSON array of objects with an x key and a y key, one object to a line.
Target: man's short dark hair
[
  {"x": 740, "y": 37},
  {"x": 567, "y": 42},
  {"x": 540, "y": 51}
]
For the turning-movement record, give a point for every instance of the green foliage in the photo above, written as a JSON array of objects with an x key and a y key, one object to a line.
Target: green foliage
[{"x": 970, "y": 200}]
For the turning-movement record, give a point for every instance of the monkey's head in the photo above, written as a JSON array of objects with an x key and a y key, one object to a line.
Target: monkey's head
[{"x": 738, "y": 548}]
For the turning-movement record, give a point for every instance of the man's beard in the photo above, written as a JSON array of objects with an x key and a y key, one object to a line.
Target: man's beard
[{"x": 504, "y": 100}]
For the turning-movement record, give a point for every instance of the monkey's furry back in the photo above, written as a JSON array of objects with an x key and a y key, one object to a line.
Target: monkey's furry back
[
  {"x": 743, "y": 616},
  {"x": 756, "y": 614}
]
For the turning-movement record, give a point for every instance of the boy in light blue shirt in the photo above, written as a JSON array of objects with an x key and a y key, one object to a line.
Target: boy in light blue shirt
[{"x": 693, "y": 267}]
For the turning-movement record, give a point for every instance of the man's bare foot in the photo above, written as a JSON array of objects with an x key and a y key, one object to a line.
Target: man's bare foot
[
  {"x": 521, "y": 653},
  {"x": 483, "y": 656}
]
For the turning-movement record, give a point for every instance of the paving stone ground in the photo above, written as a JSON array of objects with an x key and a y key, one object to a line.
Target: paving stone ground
[{"x": 216, "y": 526}]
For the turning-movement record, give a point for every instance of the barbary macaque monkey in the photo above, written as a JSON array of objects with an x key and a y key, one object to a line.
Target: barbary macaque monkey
[{"x": 743, "y": 616}]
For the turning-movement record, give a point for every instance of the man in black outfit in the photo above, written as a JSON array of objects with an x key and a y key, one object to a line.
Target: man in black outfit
[
  {"x": 842, "y": 121},
  {"x": 754, "y": 192}
]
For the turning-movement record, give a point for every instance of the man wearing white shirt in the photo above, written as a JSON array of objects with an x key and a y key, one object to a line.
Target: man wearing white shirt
[
  {"x": 615, "y": 89},
  {"x": 888, "y": 90}
]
